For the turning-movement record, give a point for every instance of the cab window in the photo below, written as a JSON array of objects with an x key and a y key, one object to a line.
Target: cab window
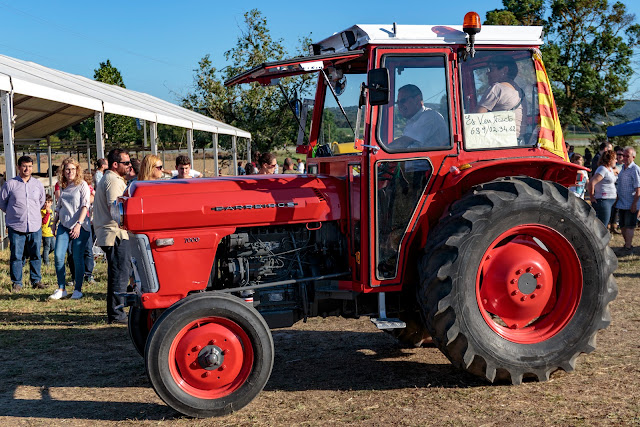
[
  {"x": 499, "y": 99},
  {"x": 417, "y": 119}
]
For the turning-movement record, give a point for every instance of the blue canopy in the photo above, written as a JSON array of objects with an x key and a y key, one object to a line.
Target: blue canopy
[{"x": 625, "y": 129}]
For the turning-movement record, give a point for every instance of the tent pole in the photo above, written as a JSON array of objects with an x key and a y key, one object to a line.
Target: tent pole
[
  {"x": 190, "y": 146},
  {"x": 6, "y": 109},
  {"x": 49, "y": 161},
  {"x": 99, "y": 116},
  {"x": 153, "y": 137},
  {"x": 216, "y": 170},
  {"x": 234, "y": 152},
  {"x": 248, "y": 150}
]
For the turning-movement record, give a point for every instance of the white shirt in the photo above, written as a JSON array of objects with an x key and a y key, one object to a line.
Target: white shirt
[{"x": 428, "y": 128}]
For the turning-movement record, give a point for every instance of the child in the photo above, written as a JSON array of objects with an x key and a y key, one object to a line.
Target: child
[
  {"x": 48, "y": 236},
  {"x": 581, "y": 178}
]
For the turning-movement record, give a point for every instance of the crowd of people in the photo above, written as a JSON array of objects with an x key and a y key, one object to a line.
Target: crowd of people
[
  {"x": 613, "y": 188},
  {"x": 80, "y": 219}
]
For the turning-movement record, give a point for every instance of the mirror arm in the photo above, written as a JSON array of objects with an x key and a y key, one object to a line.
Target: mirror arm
[
  {"x": 333, "y": 92},
  {"x": 292, "y": 110}
]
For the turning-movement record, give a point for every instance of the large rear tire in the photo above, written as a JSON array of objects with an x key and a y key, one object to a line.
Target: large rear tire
[
  {"x": 516, "y": 281},
  {"x": 209, "y": 355}
]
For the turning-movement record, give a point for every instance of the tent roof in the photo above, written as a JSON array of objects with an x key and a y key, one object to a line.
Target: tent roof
[
  {"x": 631, "y": 127},
  {"x": 47, "y": 100}
]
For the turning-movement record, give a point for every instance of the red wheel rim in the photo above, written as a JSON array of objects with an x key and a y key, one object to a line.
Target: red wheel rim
[
  {"x": 529, "y": 284},
  {"x": 211, "y": 332}
]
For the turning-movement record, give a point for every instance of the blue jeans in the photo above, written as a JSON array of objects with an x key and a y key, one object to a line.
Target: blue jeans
[
  {"x": 48, "y": 245},
  {"x": 603, "y": 209},
  {"x": 63, "y": 241},
  {"x": 23, "y": 245},
  {"x": 89, "y": 263}
]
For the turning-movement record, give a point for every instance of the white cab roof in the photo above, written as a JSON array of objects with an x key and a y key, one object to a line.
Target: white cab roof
[{"x": 430, "y": 35}]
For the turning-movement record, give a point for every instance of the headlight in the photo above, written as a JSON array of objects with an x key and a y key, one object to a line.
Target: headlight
[{"x": 117, "y": 212}]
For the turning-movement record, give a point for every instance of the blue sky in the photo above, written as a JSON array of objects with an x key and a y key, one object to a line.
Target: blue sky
[{"x": 156, "y": 45}]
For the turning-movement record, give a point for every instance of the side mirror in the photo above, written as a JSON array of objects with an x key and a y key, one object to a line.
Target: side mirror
[{"x": 378, "y": 85}]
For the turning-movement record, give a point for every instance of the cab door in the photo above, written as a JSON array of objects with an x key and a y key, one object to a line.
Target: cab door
[{"x": 413, "y": 134}]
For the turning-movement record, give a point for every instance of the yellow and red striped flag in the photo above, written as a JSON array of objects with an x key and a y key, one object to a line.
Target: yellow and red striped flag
[{"x": 550, "y": 136}]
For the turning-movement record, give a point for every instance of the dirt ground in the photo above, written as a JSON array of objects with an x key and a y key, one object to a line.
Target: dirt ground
[{"x": 71, "y": 369}]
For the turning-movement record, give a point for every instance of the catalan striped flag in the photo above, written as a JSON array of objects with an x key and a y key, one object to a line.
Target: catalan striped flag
[{"x": 550, "y": 136}]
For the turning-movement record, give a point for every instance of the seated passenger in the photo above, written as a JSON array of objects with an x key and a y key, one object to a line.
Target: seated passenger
[
  {"x": 425, "y": 127},
  {"x": 503, "y": 93}
]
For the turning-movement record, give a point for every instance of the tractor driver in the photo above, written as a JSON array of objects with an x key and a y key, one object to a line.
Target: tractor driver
[{"x": 425, "y": 127}]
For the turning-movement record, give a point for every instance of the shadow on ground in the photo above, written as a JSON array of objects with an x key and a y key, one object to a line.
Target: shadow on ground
[{"x": 101, "y": 361}]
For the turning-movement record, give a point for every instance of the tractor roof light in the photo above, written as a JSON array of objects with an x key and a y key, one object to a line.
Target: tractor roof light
[{"x": 471, "y": 25}]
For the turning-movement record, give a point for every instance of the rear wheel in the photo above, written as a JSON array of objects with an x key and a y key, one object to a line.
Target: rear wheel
[
  {"x": 516, "y": 281},
  {"x": 209, "y": 355}
]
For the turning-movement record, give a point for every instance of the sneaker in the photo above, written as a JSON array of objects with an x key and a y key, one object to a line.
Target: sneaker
[
  {"x": 17, "y": 287},
  {"x": 59, "y": 293},
  {"x": 76, "y": 295},
  {"x": 89, "y": 279}
]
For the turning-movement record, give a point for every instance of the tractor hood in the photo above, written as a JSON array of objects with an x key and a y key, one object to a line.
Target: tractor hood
[{"x": 233, "y": 201}]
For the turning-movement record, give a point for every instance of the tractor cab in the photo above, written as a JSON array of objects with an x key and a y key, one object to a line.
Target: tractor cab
[{"x": 403, "y": 111}]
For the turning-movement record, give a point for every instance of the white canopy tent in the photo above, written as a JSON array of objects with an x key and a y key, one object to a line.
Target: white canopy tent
[{"x": 37, "y": 101}]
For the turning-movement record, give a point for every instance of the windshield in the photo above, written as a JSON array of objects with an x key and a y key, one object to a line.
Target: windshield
[
  {"x": 418, "y": 117},
  {"x": 338, "y": 128}
]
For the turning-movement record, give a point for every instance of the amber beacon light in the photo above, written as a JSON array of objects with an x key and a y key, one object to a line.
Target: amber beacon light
[{"x": 471, "y": 26}]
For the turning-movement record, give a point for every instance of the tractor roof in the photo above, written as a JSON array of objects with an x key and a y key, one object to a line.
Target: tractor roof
[{"x": 360, "y": 35}]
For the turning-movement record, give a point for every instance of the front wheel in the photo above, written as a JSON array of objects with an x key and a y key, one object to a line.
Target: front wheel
[
  {"x": 209, "y": 355},
  {"x": 517, "y": 280}
]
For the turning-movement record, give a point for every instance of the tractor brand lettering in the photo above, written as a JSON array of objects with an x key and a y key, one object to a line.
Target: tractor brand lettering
[
  {"x": 191, "y": 239},
  {"x": 257, "y": 206}
]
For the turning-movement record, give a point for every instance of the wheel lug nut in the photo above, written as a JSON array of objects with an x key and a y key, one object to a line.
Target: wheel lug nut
[
  {"x": 488, "y": 257},
  {"x": 533, "y": 296},
  {"x": 529, "y": 269},
  {"x": 514, "y": 293},
  {"x": 535, "y": 276},
  {"x": 513, "y": 281},
  {"x": 206, "y": 374},
  {"x": 194, "y": 365},
  {"x": 538, "y": 286},
  {"x": 212, "y": 342},
  {"x": 485, "y": 301},
  {"x": 524, "y": 297},
  {"x": 518, "y": 272},
  {"x": 196, "y": 348},
  {"x": 222, "y": 368}
]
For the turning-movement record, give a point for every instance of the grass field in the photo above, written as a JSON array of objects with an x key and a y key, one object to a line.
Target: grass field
[{"x": 61, "y": 364}]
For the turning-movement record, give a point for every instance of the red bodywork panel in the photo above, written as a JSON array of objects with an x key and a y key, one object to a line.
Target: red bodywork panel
[
  {"x": 212, "y": 208},
  {"x": 234, "y": 202}
]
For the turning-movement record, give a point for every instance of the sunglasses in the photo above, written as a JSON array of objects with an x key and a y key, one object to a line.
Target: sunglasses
[
  {"x": 159, "y": 167},
  {"x": 271, "y": 166},
  {"x": 125, "y": 163}
]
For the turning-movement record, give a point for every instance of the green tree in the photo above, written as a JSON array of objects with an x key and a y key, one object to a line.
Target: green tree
[
  {"x": 121, "y": 130},
  {"x": 261, "y": 110},
  {"x": 588, "y": 51}
]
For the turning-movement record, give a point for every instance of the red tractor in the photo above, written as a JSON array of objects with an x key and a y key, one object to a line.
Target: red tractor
[{"x": 449, "y": 220}]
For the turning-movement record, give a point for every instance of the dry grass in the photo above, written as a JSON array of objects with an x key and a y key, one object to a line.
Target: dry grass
[{"x": 61, "y": 364}]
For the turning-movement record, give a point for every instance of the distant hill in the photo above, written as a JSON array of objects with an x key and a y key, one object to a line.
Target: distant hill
[{"x": 630, "y": 111}]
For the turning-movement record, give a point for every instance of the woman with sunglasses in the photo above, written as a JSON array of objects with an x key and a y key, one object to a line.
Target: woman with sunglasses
[
  {"x": 267, "y": 163},
  {"x": 73, "y": 225},
  {"x": 151, "y": 168}
]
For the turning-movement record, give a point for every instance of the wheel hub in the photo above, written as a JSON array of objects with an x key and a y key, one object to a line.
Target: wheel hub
[
  {"x": 210, "y": 357},
  {"x": 527, "y": 283}
]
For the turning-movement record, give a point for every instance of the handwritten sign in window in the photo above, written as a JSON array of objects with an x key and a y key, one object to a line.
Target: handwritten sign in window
[{"x": 490, "y": 130}]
